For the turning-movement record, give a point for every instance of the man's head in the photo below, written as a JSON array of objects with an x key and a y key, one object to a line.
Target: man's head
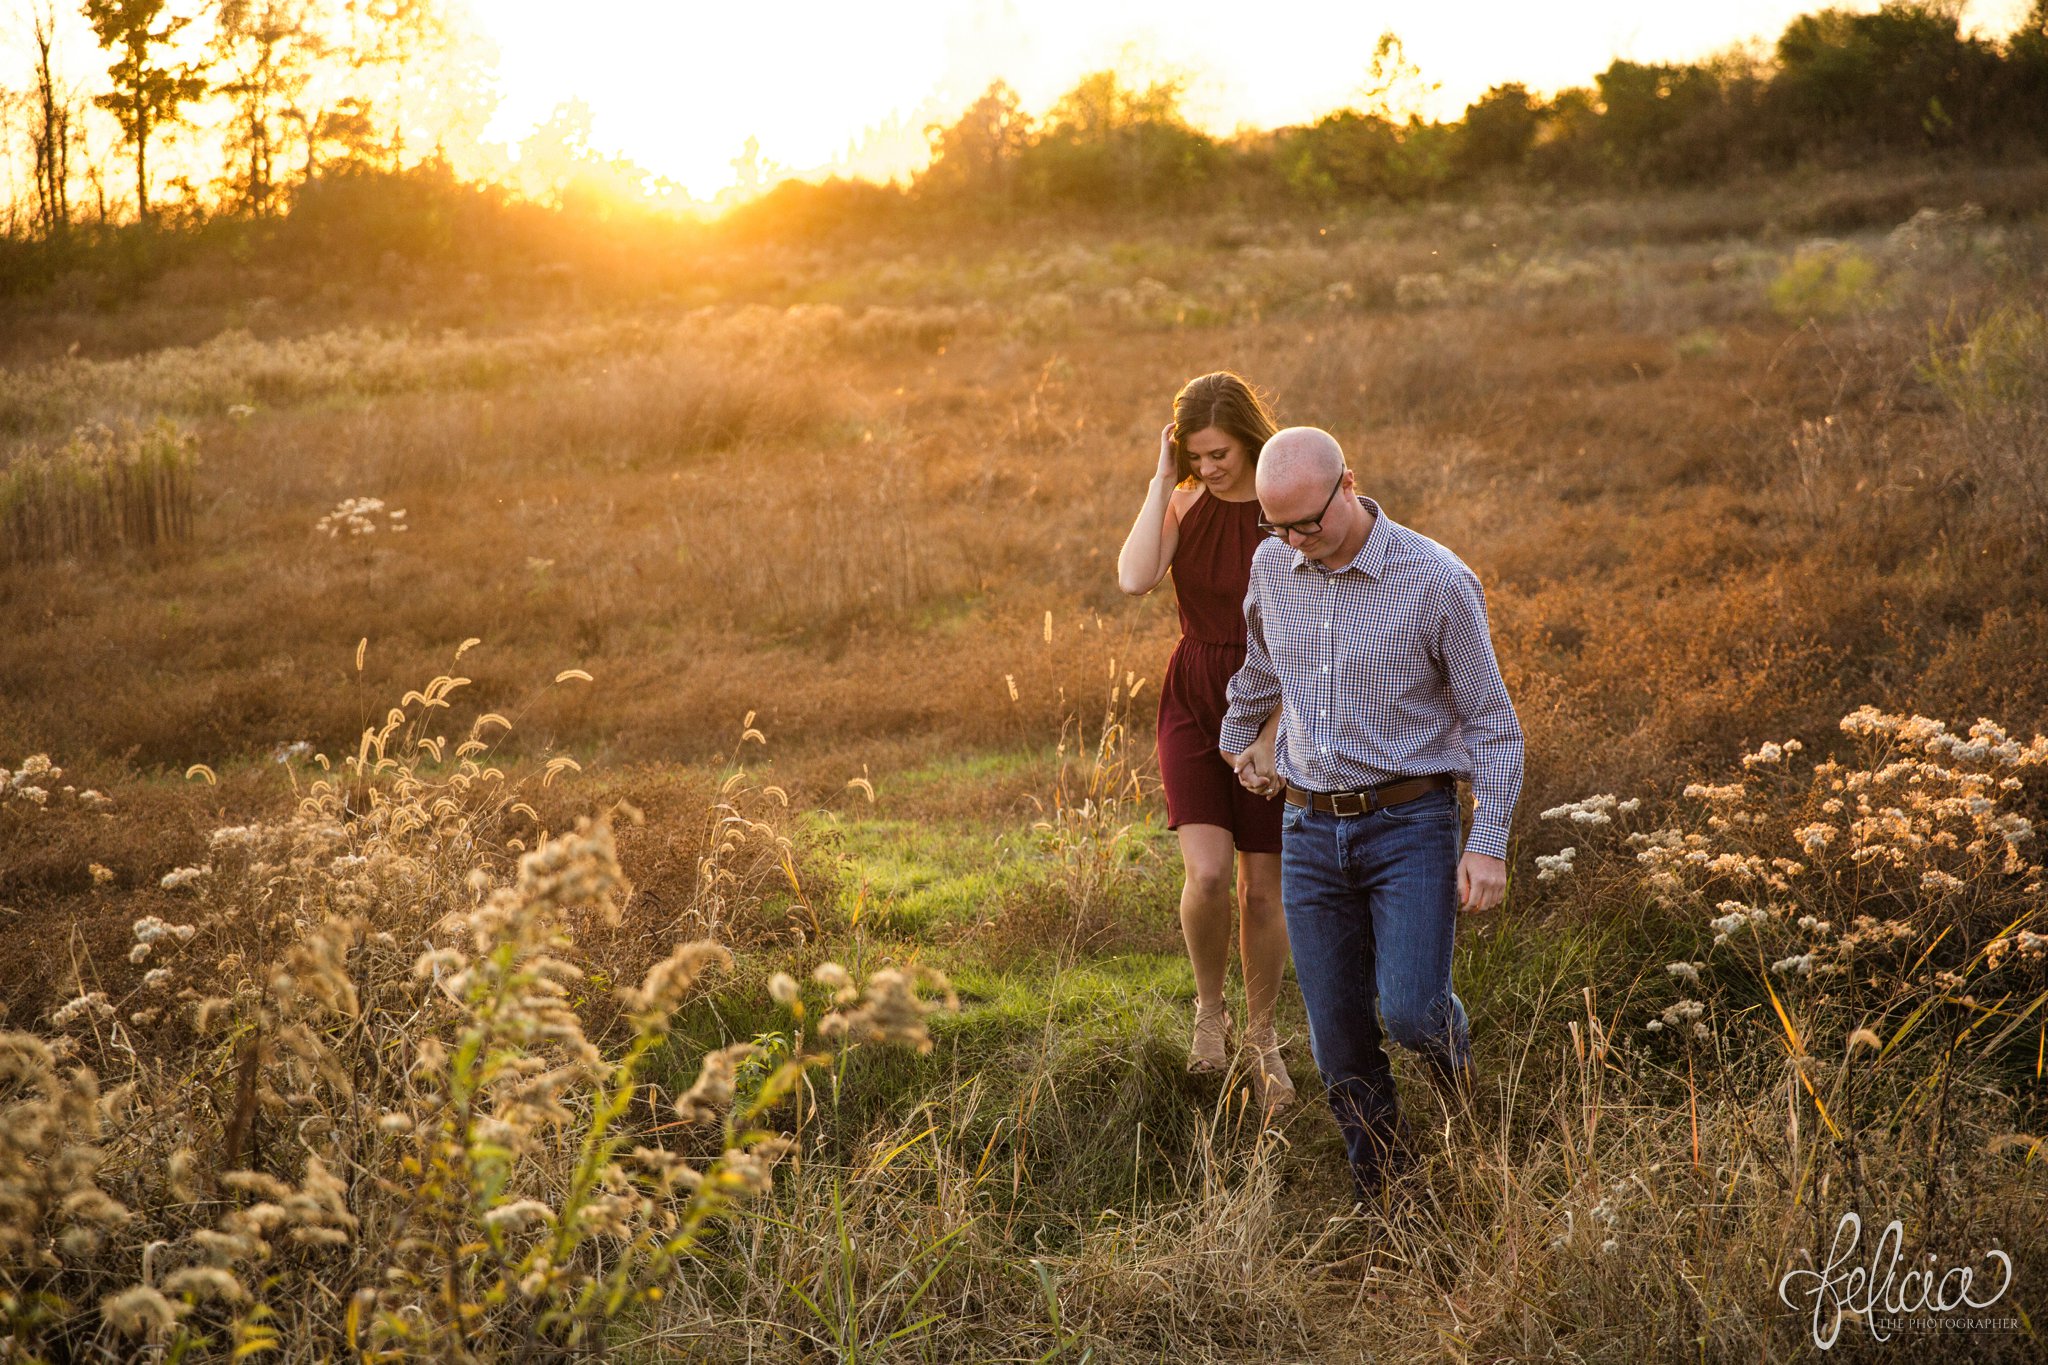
[{"x": 1303, "y": 482}]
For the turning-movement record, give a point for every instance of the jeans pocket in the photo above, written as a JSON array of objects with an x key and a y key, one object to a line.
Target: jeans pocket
[
  {"x": 1439, "y": 807},
  {"x": 1290, "y": 818}
]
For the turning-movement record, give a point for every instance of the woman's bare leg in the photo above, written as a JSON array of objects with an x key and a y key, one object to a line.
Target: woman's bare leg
[
  {"x": 1262, "y": 935},
  {"x": 1206, "y": 854}
]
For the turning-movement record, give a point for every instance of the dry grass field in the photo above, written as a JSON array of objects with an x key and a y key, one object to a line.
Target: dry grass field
[{"x": 794, "y": 567}]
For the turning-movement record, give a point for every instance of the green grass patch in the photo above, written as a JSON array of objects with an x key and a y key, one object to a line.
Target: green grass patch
[{"x": 914, "y": 878}]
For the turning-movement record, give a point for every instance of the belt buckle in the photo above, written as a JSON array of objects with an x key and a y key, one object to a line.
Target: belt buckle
[{"x": 1360, "y": 802}]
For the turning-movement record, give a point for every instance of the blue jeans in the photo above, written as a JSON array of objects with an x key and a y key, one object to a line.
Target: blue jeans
[{"x": 1372, "y": 908}]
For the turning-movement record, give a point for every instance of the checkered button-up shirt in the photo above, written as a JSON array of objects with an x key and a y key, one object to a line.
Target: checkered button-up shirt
[{"x": 1386, "y": 670}]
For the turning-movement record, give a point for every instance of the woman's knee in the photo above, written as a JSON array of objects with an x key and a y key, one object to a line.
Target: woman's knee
[
  {"x": 1208, "y": 883},
  {"x": 1260, "y": 906}
]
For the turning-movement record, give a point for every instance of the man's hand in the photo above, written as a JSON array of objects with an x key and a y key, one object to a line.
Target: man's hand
[
  {"x": 1245, "y": 765},
  {"x": 1482, "y": 881},
  {"x": 1255, "y": 768}
]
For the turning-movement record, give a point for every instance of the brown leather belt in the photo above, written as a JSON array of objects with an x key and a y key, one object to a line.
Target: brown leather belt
[{"x": 1372, "y": 798}]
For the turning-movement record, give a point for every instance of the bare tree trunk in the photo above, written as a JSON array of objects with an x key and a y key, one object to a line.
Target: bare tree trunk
[
  {"x": 142, "y": 163},
  {"x": 52, "y": 134}
]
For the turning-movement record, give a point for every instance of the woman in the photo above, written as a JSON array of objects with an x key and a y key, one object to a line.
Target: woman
[{"x": 1200, "y": 519}]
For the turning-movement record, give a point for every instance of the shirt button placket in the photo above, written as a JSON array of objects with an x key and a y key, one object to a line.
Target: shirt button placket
[
  {"x": 1332, "y": 778},
  {"x": 1329, "y": 686}
]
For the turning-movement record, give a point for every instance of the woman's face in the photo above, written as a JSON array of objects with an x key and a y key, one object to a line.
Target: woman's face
[{"x": 1219, "y": 460}]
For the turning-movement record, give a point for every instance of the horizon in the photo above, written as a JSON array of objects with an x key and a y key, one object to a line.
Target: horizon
[{"x": 807, "y": 120}]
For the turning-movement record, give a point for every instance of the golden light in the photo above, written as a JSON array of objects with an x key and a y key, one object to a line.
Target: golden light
[{"x": 679, "y": 87}]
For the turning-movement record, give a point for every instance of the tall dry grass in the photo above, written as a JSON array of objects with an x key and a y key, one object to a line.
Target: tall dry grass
[
  {"x": 369, "y": 1092},
  {"x": 849, "y": 500},
  {"x": 367, "y": 1099},
  {"x": 99, "y": 491},
  {"x": 890, "y": 484}
]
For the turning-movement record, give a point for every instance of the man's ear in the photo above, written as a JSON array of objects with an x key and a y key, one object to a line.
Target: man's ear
[{"x": 1350, "y": 484}]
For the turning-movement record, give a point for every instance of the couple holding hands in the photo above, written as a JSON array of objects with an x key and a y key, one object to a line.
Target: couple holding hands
[{"x": 1333, "y": 683}]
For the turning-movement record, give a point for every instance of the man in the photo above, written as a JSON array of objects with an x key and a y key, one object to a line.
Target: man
[{"x": 1371, "y": 640}]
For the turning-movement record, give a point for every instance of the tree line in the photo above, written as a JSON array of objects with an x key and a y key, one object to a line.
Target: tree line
[
  {"x": 1836, "y": 86},
  {"x": 296, "y": 88},
  {"x": 302, "y": 96}
]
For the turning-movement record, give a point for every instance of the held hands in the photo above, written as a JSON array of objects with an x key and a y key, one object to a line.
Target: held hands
[
  {"x": 1482, "y": 878},
  {"x": 1255, "y": 768}
]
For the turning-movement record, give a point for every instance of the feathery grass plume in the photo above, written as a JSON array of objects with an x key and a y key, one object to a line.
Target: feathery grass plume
[
  {"x": 485, "y": 1133},
  {"x": 54, "y": 1213},
  {"x": 711, "y": 1096},
  {"x": 655, "y": 1000},
  {"x": 512, "y": 1131},
  {"x": 1096, "y": 798},
  {"x": 140, "y": 1311}
]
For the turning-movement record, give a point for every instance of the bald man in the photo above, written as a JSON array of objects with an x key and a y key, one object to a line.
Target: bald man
[{"x": 1371, "y": 641}]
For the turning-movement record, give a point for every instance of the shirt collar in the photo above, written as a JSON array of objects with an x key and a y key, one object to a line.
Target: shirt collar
[{"x": 1371, "y": 559}]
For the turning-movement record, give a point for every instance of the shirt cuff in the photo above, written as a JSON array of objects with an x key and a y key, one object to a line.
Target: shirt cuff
[
  {"x": 1237, "y": 734},
  {"x": 1489, "y": 839}
]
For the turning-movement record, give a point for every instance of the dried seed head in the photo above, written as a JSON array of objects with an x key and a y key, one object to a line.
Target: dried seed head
[{"x": 139, "y": 1312}]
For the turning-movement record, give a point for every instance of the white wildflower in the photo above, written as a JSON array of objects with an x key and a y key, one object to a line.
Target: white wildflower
[
  {"x": 1684, "y": 1012},
  {"x": 1815, "y": 837},
  {"x": 1593, "y": 810},
  {"x": 1552, "y": 866},
  {"x": 355, "y": 517}
]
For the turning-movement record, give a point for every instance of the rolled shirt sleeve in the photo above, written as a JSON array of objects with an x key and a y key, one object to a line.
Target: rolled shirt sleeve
[
  {"x": 1487, "y": 724},
  {"x": 1254, "y": 690}
]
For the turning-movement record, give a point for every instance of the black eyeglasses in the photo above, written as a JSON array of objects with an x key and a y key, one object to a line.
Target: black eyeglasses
[{"x": 1313, "y": 526}]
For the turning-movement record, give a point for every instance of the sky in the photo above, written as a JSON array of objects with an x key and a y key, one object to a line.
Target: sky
[{"x": 678, "y": 86}]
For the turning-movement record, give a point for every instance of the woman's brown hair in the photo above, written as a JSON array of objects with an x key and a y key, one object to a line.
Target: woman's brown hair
[{"x": 1226, "y": 402}]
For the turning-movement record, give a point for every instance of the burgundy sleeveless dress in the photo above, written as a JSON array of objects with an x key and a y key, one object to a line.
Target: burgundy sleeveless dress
[{"x": 1212, "y": 568}]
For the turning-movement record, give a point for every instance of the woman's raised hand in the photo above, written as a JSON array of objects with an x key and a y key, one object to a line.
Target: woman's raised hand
[{"x": 1169, "y": 468}]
